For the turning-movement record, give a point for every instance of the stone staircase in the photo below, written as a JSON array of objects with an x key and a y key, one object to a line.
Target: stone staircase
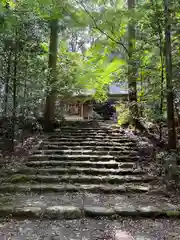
[{"x": 81, "y": 171}]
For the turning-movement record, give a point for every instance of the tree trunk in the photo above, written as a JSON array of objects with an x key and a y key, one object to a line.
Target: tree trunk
[
  {"x": 7, "y": 83},
  {"x": 177, "y": 115},
  {"x": 132, "y": 67},
  {"x": 23, "y": 106},
  {"x": 9, "y": 53},
  {"x": 170, "y": 102},
  {"x": 14, "y": 92},
  {"x": 161, "y": 48},
  {"x": 49, "y": 113},
  {"x": 141, "y": 98},
  {"x": 161, "y": 97}
]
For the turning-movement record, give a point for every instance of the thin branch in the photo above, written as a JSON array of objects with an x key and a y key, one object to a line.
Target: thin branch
[{"x": 100, "y": 30}]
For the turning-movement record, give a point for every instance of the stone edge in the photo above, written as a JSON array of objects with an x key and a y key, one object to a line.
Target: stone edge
[{"x": 71, "y": 212}]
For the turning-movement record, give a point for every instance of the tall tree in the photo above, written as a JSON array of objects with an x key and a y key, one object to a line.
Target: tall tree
[
  {"x": 49, "y": 113},
  {"x": 170, "y": 102},
  {"x": 132, "y": 66}
]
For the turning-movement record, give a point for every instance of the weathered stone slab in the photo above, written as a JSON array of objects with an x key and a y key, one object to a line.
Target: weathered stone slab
[
  {"x": 89, "y": 204},
  {"x": 150, "y": 211},
  {"x": 91, "y": 211},
  {"x": 103, "y": 164},
  {"x": 87, "y": 143},
  {"x": 92, "y": 157},
  {"x": 126, "y": 211},
  {"x": 76, "y": 151},
  {"x": 91, "y": 139},
  {"x": 27, "y": 211},
  {"x": 125, "y": 188},
  {"x": 63, "y": 212},
  {"x": 88, "y": 147},
  {"x": 111, "y": 179},
  {"x": 20, "y": 211},
  {"x": 71, "y": 212},
  {"x": 81, "y": 170}
]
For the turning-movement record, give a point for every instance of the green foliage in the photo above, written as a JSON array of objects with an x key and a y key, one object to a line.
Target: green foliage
[
  {"x": 123, "y": 114},
  {"x": 97, "y": 31},
  {"x": 68, "y": 67},
  {"x": 97, "y": 71}
]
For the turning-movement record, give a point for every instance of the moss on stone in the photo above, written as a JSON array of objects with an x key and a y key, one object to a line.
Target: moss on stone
[
  {"x": 19, "y": 178},
  {"x": 173, "y": 213}
]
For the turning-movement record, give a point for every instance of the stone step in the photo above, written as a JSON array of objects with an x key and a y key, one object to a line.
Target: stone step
[
  {"x": 97, "y": 136},
  {"x": 90, "y": 139},
  {"x": 96, "y": 158},
  {"x": 61, "y": 212},
  {"x": 85, "y": 151},
  {"x": 92, "y": 188},
  {"x": 89, "y": 143},
  {"x": 106, "y": 164},
  {"x": 81, "y": 204},
  {"x": 87, "y": 139},
  {"x": 79, "y": 178},
  {"x": 79, "y": 170},
  {"x": 95, "y": 147},
  {"x": 78, "y": 129},
  {"x": 89, "y": 130},
  {"x": 87, "y": 134}
]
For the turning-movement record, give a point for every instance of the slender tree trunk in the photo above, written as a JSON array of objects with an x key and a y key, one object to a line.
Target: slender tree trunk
[
  {"x": 170, "y": 102},
  {"x": 162, "y": 81},
  {"x": 132, "y": 68},
  {"x": 141, "y": 98},
  {"x": 161, "y": 97},
  {"x": 14, "y": 92},
  {"x": 177, "y": 114},
  {"x": 49, "y": 113},
  {"x": 161, "y": 48},
  {"x": 23, "y": 108},
  {"x": 7, "y": 83}
]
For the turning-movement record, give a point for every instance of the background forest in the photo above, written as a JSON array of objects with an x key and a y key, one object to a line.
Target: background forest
[{"x": 53, "y": 48}]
